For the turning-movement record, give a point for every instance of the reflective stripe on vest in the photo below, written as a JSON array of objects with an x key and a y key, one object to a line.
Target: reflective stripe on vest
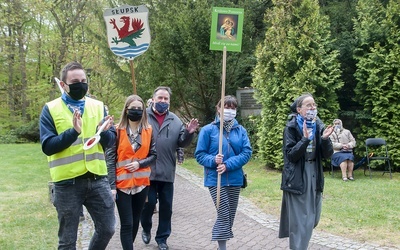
[
  {"x": 75, "y": 158},
  {"x": 78, "y": 141},
  {"x": 136, "y": 174},
  {"x": 74, "y": 161},
  {"x": 121, "y": 164},
  {"x": 126, "y": 155}
]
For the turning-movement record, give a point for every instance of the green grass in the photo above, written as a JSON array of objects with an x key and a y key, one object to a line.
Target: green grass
[
  {"x": 27, "y": 219},
  {"x": 363, "y": 210}
]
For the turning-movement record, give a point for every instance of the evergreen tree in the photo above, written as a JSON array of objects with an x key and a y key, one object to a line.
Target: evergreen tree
[
  {"x": 341, "y": 14},
  {"x": 295, "y": 57},
  {"x": 378, "y": 87}
]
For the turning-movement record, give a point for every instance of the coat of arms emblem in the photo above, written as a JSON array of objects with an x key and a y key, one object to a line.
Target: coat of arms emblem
[{"x": 128, "y": 30}]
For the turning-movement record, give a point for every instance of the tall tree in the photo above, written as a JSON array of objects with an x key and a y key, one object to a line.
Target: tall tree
[
  {"x": 378, "y": 70},
  {"x": 15, "y": 33},
  {"x": 67, "y": 25},
  {"x": 36, "y": 39},
  {"x": 295, "y": 57},
  {"x": 341, "y": 14},
  {"x": 179, "y": 55}
]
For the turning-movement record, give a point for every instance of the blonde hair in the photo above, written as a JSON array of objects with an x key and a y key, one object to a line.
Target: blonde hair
[{"x": 123, "y": 121}]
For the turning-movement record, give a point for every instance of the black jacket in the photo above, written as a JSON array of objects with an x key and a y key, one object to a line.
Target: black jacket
[{"x": 294, "y": 150}]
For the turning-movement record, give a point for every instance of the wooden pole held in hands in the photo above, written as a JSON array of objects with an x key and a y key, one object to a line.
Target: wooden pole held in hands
[{"x": 221, "y": 121}]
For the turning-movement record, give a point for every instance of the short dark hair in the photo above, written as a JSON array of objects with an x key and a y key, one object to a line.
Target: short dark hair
[
  {"x": 229, "y": 101},
  {"x": 168, "y": 89},
  {"x": 69, "y": 67}
]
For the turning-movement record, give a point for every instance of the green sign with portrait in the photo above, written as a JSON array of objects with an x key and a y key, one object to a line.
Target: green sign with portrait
[{"x": 226, "y": 29}]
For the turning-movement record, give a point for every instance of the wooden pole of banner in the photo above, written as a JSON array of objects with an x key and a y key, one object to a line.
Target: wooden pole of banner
[
  {"x": 221, "y": 121},
  {"x": 133, "y": 76}
]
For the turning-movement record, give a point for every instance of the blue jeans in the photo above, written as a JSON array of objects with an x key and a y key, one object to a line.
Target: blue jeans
[
  {"x": 164, "y": 191},
  {"x": 95, "y": 195}
]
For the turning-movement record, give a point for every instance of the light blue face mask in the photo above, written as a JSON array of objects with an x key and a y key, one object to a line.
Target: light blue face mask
[
  {"x": 338, "y": 127},
  {"x": 311, "y": 114}
]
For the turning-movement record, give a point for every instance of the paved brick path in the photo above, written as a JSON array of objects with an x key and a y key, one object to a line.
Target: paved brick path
[{"x": 193, "y": 217}]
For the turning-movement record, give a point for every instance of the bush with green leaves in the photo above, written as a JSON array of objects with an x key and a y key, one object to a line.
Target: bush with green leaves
[
  {"x": 9, "y": 138},
  {"x": 295, "y": 57},
  {"x": 28, "y": 132},
  {"x": 378, "y": 71},
  {"x": 250, "y": 124}
]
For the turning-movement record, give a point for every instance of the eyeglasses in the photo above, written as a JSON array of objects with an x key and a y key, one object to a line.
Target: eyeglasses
[{"x": 310, "y": 105}]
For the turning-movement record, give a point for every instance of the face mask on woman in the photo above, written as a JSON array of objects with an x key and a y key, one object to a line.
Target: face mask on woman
[
  {"x": 229, "y": 114},
  {"x": 311, "y": 114},
  {"x": 135, "y": 114}
]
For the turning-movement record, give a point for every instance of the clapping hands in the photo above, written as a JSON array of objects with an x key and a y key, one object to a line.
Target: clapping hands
[{"x": 327, "y": 132}]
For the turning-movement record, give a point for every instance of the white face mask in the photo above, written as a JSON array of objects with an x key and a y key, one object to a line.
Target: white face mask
[
  {"x": 229, "y": 114},
  {"x": 311, "y": 114}
]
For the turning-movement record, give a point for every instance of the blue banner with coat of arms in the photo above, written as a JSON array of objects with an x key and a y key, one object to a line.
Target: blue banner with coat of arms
[{"x": 128, "y": 30}]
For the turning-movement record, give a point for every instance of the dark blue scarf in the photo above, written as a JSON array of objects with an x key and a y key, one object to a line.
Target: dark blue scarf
[
  {"x": 310, "y": 124},
  {"x": 73, "y": 104}
]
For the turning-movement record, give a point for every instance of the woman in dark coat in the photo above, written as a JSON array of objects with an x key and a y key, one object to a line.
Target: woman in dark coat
[{"x": 305, "y": 142}]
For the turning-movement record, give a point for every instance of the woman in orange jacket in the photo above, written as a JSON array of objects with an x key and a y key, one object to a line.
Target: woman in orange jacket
[{"x": 128, "y": 162}]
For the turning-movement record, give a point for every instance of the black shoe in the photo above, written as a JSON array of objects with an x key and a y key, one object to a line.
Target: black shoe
[
  {"x": 163, "y": 246},
  {"x": 146, "y": 237}
]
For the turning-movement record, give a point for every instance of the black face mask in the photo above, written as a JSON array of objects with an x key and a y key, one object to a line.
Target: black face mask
[
  {"x": 78, "y": 90},
  {"x": 135, "y": 114}
]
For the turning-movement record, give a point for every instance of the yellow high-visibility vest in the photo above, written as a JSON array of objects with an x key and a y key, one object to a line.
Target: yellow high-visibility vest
[{"x": 74, "y": 161}]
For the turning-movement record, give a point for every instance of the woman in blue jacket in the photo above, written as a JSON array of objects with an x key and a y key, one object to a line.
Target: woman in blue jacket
[{"x": 236, "y": 152}]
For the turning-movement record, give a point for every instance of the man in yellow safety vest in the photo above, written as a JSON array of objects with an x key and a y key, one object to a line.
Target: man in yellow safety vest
[{"x": 79, "y": 175}]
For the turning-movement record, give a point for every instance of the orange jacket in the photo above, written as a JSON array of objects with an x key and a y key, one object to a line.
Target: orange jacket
[{"x": 126, "y": 154}]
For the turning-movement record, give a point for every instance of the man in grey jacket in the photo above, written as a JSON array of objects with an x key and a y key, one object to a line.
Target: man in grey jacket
[{"x": 169, "y": 133}]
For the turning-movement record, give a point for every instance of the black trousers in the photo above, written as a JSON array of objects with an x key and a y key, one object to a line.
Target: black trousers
[{"x": 130, "y": 208}]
